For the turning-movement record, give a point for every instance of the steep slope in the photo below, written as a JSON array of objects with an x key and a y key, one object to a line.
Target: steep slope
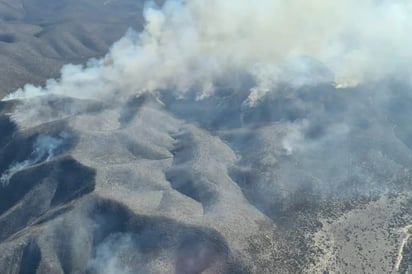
[
  {"x": 268, "y": 195},
  {"x": 38, "y": 37},
  {"x": 157, "y": 159}
]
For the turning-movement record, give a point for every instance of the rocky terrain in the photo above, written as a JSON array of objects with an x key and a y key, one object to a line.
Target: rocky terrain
[
  {"x": 37, "y": 37},
  {"x": 310, "y": 179}
]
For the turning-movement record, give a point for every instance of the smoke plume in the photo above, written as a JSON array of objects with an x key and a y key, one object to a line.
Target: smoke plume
[
  {"x": 44, "y": 149},
  {"x": 254, "y": 112},
  {"x": 200, "y": 46}
]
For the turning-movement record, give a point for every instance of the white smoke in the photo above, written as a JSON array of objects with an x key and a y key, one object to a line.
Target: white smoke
[
  {"x": 192, "y": 45},
  {"x": 109, "y": 254},
  {"x": 44, "y": 149}
]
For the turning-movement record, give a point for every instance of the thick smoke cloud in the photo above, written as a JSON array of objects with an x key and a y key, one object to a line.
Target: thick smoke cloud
[
  {"x": 201, "y": 46},
  {"x": 298, "y": 102}
]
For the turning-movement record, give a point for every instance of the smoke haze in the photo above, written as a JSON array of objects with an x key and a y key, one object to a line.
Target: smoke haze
[
  {"x": 44, "y": 149},
  {"x": 197, "y": 46},
  {"x": 221, "y": 138}
]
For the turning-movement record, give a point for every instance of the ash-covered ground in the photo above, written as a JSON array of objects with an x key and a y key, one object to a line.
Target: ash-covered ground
[{"x": 126, "y": 165}]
